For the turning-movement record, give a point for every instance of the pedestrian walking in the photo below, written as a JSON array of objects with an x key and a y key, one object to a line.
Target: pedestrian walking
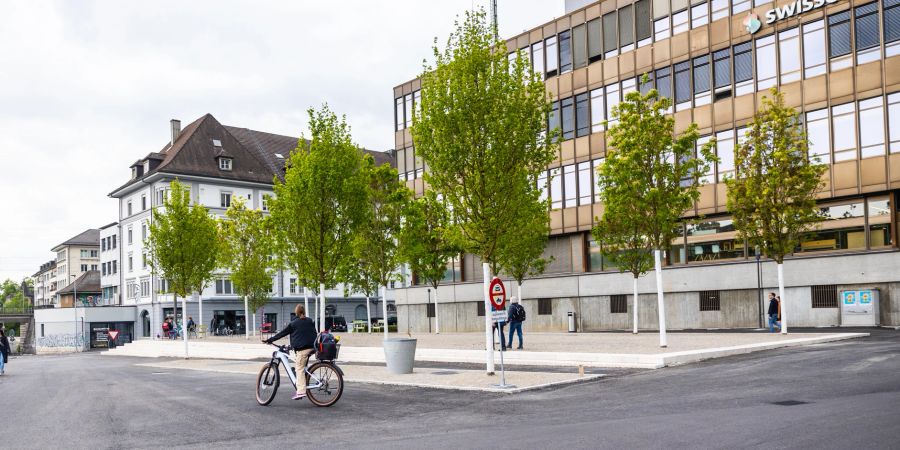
[
  {"x": 165, "y": 328},
  {"x": 4, "y": 351},
  {"x": 516, "y": 317},
  {"x": 190, "y": 324},
  {"x": 774, "y": 312}
]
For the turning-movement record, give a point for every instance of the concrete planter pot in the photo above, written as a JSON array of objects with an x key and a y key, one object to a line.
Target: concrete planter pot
[{"x": 400, "y": 354}]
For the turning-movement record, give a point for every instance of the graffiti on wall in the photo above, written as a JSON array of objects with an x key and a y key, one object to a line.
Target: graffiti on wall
[{"x": 61, "y": 340}]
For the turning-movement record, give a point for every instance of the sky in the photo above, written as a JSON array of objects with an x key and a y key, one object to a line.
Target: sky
[{"x": 89, "y": 87}]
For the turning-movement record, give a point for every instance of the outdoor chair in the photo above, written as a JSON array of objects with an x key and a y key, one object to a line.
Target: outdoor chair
[{"x": 379, "y": 325}]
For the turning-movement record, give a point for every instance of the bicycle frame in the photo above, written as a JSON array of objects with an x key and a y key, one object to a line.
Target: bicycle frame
[{"x": 284, "y": 358}]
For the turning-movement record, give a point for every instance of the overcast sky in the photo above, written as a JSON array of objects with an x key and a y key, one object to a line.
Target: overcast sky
[{"x": 87, "y": 88}]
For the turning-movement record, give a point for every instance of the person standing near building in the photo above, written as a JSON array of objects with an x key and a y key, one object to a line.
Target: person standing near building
[
  {"x": 774, "y": 308},
  {"x": 516, "y": 317},
  {"x": 4, "y": 351},
  {"x": 190, "y": 324}
]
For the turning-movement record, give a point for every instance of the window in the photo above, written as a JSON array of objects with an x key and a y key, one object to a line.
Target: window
[
  {"x": 225, "y": 199},
  {"x": 867, "y": 35},
  {"x": 114, "y": 241},
  {"x": 743, "y": 69},
  {"x": 595, "y": 40},
  {"x": 891, "y": 28},
  {"x": 813, "y": 49},
  {"x": 719, "y": 9},
  {"x": 582, "y": 116},
  {"x": 680, "y": 22},
  {"x": 552, "y": 56},
  {"x": 765, "y": 62},
  {"x": 144, "y": 231},
  {"x": 841, "y": 227},
  {"x": 417, "y": 102},
  {"x": 407, "y": 108},
  {"x": 699, "y": 15},
  {"x": 643, "y": 87},
  {"x": 618, "y": 304},
  {"x": 570, "y": 186},
  {"x": 709, "y": 301},
  {"x": 565, "y": 52},
  {"x": 479, "y": 308},
  {"x": 612, "y": 100},
  {"x": 725, "y": 152},
  {"x": 661, "y": 29},
  {"x": 842, "y": 118},
  {"x": 643, "y": 26},
  {"x": 707, "y": 177},
  {"x": 398, "y": 113},
  {"x": 143, "y": 260},
  {"x": 556, "y": 195},
  {"x": 579, "y": 46},
  {"x": 664, "y": 82},
  {"x": 129, "y": 236},
  {"x": 879, "y": 218},
  {"x": 568, "y": 118},
  {"x": 537, "y": 58},
  {"x": 223, "y": 286},
  {"x": 789, "y": 55},
  {"x": 553, "y": 119},
  {"x": 103, "y": 244},
  {"x": 701, "y": 81},
  {"x": 894, "y": 122},
  {"x": 824, "y": 296},
  {"x": 265, "y": 202},
  {"x": 129, "y": 207},
  {"x": 130, "y": 263},
  {"x": 542, "y": 185},
  {"x": 610, "y": 35},
  {"x": 84, "y": 267},
  {"x": 161, "y": 196},
  {"x": 545, "y": 307},
  {"x": 722, "y": 73},
  {"x": 682, "y": 85},
  {"x": 429, "y": 310},
  {"x": 598, "y": 109},
  {"x": 145, "y": 288},
  {"x": 115, "y": 267},
  {"x": 584, "y": 183},
  {"x": 871, "y": 127},
  {"x": 819, "y": 137},
  {"x": 595, "y": 164},
  {"x": 739, "y": 6},
  {"x": 839, "y": 40},
  {"x": 143, "y": 202},
  {"x": 225, "y": 163},
  {"x": 626, "y": 28},
  {"x": 292, "y": 286}
]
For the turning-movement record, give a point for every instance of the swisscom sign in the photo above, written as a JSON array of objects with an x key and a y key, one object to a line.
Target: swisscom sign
[{"x": 773, "y": 15}]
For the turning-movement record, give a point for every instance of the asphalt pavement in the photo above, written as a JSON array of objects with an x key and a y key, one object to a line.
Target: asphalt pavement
[{"x": 836, "y": 395}]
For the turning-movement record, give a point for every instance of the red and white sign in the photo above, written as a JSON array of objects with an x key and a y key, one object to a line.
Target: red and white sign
[
  {"x": 498, "y": 293},
  {"x": 113, "y": 334}
]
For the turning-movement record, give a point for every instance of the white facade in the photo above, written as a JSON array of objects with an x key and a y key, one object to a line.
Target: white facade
[
  {"x": 45, "y": 285},
  {"x": 110, "y": 264},
  {"x": 72, "y": 261}
]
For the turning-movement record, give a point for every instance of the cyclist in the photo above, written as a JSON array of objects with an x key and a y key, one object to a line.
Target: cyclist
[{"x": 303, "y": 335}]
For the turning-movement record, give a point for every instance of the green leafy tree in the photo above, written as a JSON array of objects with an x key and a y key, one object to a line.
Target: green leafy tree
[
  {"x": 246, "y": 248},
  {"x": 321, "y": 203},
  {"x": 375, "y": 243},
  {"x": 182, "y": 246},
  {"x": 649, "y": 179},
  {"x": 426, "y": 243},
  {"x": 522, "y": 247},
  {"x": 11, "y": 295},
  {"x": 480, "y": 131},
  {"x": 773, "y": 196}
]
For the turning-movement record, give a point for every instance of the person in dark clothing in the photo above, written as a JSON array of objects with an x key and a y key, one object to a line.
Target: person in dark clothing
[
  {"x": 303, "y": 336},
  {"x": 4, "y": 351},
  {"x": 773, "y": 313},
  {"x": 515, "y": 319}
]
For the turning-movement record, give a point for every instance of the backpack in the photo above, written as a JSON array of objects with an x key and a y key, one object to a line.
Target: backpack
[
  {"x": 518, "y": 313},
  {"x": 165, "y": 326}
]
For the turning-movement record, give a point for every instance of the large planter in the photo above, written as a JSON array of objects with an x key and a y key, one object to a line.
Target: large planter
[{"x": 400, "y": 354}]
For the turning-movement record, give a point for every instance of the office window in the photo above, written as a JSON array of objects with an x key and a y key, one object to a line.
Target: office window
[
  {"x": 511, "y": 59},
  {"x": 610, "y": 35},
  {"x": 417, "y": 103},
  {"x": 722, "y": 74},
  {"x": 103, "y": 270},
  {"x": 103, "y": 244},
  {"x": 682, "y": 85},
  {"x": 839, "y": 40},
  {"x": 743, "y": 69},
  {"x": 699, "y": 15},
  {"x": 739, "y": 6},
  {"x": 223, "y": 286},
  {"x": 570, "y": 186},
  {"x": 626, "y": 28},
  {"x": 871, "y": 127},
  {"x": 725, "y": 152},
  {"x": 565, "y": 52},
  {"x": 542, "y": 185},
  {"x": 618, "y": 304},
  {"x": 595, "y": 40},
  {"x": 552, "y": 60},
  {"x": 842, "y": 119},
  {"x": 891, "y": 28},
  {"x": 537, "y": 58},
  {"x": 225, "y": 199},
  {"x": 644, "y": 87},
  {"x": 867, "y": 35},
  {"x": 556, "y": 194},
  {"x": 664, "y": 82},
  {"x": 612, "y": 100},
  {"x": 818, "y": 135},
  {"x": 398, "y": 114},
  {"x": 407, "y": 108},
  {"x": 597, "y": 110},
  {"x": 680, "y": 22},
  {"x": 789, "y": 55},
  {"x": 568, "y": 118},
  {"x": 813, "y": 49},
  {"x": 719, "y": 9},
  {"x": 545, "y": 307},
  {"x": 894, "y": 122},
  {"x": 553, "y": 120},
  {"x": 582, "y": 116},
  {"x": 765, "y": 62},
  {"x": 579, "y": 46},
  {"x": 661, "y": 29},
  {"x": 585, "y": 183},
  {"x": 643, "y": 25},
  {"x": 707, "y": 177},
  {"x": 879, "y": 218},
  {"x": 628, "y": 85}
]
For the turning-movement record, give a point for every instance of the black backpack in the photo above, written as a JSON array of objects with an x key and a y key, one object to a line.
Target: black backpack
[{"x": 518, "y": 313}]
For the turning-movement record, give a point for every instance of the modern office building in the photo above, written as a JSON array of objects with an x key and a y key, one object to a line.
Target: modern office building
[{"x": 836, "y": 61}]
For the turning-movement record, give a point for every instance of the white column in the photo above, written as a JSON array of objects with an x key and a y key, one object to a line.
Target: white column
[
  {"x": 659, "y": 300},
  {"x": 368, "y": 316},
  {"x": 306, "y": 302},
  {"x": 384, "y": 310},
  {"x": 246, "y": 319},
  {"x": 437, "y": 314},
  {"x": 322, "y": 307},
  {"x": 634, "y": 307},
  {"x": 184, "y": 332},
  {"x": 200, "y": 321},
  {"x": 488, "y": 336},
  {"x": 784, "y": 328}
]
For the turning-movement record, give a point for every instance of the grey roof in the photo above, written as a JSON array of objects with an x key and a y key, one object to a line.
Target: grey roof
[
  {"x": 88, "y": 282},
  {"x": 45, "y": 267},
  {"x": 109, "y": 225},
  {"x": 87, "y": 237}
]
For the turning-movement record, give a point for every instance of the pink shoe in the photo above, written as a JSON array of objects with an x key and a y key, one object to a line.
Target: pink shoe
[{"x": 298, "y": 396}]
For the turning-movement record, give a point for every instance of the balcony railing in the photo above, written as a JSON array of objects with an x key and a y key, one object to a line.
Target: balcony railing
[{"x": 16, "y": 311}]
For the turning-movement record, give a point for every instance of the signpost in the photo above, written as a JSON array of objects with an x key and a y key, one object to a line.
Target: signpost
[{"x": 498, "y": 315}]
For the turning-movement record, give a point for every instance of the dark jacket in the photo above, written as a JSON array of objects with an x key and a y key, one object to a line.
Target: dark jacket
[
  {"x": 303, "y": 333},
  {"x": 513, "y": 312},
  {"x": 773, "y": 307},
  {"x": 4, "y": 345}
]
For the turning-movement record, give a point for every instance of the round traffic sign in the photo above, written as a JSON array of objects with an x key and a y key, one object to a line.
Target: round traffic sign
[{"x": 498, "y": 293}]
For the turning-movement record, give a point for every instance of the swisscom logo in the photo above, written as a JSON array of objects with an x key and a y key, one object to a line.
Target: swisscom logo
[{"x": 752, "y": 22}]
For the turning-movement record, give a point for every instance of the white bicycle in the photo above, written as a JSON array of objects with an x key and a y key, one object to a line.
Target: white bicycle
[{"x": 324, "y": 379}]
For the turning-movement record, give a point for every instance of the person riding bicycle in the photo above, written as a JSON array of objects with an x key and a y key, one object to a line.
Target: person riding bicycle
[{"x": 303, "y": 336}]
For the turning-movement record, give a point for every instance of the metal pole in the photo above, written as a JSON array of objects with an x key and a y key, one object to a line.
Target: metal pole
[
  {"x": 759, "y": 288},
  {"x": 426, "y": 310},
  {"x": 494, "y": 18}
]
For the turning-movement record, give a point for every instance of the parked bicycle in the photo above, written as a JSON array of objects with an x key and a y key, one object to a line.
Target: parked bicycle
[
  {"x": 224, "y": 331},
  {"x": 324, "y": 379}
]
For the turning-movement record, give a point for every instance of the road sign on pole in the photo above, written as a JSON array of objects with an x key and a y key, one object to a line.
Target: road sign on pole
[
  {"x": 499, "y": 316},
  {"x": 498, "y": 293}
]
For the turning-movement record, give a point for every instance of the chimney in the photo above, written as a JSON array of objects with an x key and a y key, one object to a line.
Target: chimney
[{"x": 176, "y": 129}]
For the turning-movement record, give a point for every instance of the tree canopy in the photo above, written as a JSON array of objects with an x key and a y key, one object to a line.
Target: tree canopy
[
  {"x": 246, "y": 248},
  {"x": 425, "y": 238}
]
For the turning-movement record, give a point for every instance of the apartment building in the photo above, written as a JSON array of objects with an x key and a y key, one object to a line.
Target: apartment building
[
  {"x": 76, "y": 256},
  {"x": 218, "y": 164},
  {"x": 836, "y": 61},
  {"x": 109, "y": 264},
  {"x": 45, "y": 285}
]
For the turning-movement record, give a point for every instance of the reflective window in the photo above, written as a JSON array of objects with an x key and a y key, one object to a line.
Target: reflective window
[
  {"x": 582, "y": 117},
  {"x": 556, "y": 198},
  {"x": 407, "y": 100},
  {"x": 568, "y": 118},
  {"x": 661, "y": 29},
  {"x": 682, "y": 85},
  {"x": 765, "y": 62},
  {"x": 417, "y": 101},
  {"x": 542, "y": 185},
  {"x": 643, "y": 26},
  {"x": 743, "y": 69},
  {"x": 867, "y": 35},
  {"x": 894, "y": 122},
  {"x": 699, "y": 15},
  {"x": 839, "y": 40},
  {"x": 595, "y": 40},
  {"x": 553, "y": 120},
  {"x": 565, "y": 52},
  {"x": 552, "y": 61},
  {"x": 570, "y": 186},
  {"x": 739, "y": 6},
  {"x": 879, "y": 213},
  {"x": 842, "y": 227},
  {"x": 819, "y": 137},
  {"x": 398, "y": 112},
  {"x": 719, "y": 9},
  {"x": 712, "y": 240},
  {"x": 597, "y": 110},
  {"x": 629, "y": 85},
  {"x": 626, "y": 28},
  {"x": 664, "y": 82},
  {"x": 722, "y": 73},
  {"x": 701, "y": 80},
  {"x": 871, "y": 127},
  {"x": 595, "y": 164},
  {"x": 680, "y": 22},
  {"x": 708, "y": 176},
  {"x": 842, "y": 118},
  {"x": 725, "y": 152},
  {"x": 814, "y": 48},
  {"x": 789, "y": 55},
  {"x": 537, "y": 57},
  {"x": 643, "y": 87},
  {"x": 579, "y": 46},
  {"x": 585, "y": 181},
  {"x": 612, "y": 99},
  {"x": 891, "y": 28},
  {"x": 610, "y": 35}
]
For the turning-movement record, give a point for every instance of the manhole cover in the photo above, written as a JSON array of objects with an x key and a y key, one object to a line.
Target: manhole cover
[
  {"x": 789, "y": 403},
  {"x": 445, "y": 372}
]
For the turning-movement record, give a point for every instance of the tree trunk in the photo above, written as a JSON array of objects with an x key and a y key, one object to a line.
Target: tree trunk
[
  {"x": 384, "y": 309},
  {"x": 322, "y": 307},
  {"x": 634, "y": 308},
  {"x": 488, "y": 332},
  {"x": 437, "y": 315},
  {"x": 659, "y": 299},
  {"x": 784, "y": 328},
  {"x": 184, "y": 332},
  {"x": 368, "y": 316},
  {"x": 246, "y": 317}
]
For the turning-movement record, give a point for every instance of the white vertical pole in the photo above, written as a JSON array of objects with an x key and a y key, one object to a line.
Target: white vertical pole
[
  {"x": 184, "y": 332},
  {"x": 322, "y": 307},
  {"x": 253, "y": 323},
  {"x": 368, "y": 316},
  {"x": 488, "y": 336},
  {"x": 784, "y": 328},
  {"x": 384, "y": 310},
  {"x": 634, "y": 308},
  {"x": 659, "y": 300},
  {"x": 306, "y": 302},
  {"x": 437, "y": 314},
  {"x": 246, "y": 318},
  {"x": 200, "y": 322}
]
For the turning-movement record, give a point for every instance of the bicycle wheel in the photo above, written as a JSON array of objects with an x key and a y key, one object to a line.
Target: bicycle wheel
[
  {"x": 267, "y": 383},
  {"x": 331, "y": 388}
]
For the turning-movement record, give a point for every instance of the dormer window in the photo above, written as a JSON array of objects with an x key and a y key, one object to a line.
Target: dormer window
[
  {"x": 133, "y": 173},
  {"x": 225, "y": 163}
]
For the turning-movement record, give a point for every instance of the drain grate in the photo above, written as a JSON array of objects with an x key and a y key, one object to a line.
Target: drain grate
[
  {"x": 789, "y": 403},
  {"x": 445, "y": 372}
]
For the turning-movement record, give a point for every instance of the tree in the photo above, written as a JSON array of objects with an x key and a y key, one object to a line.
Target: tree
[
  {"x": 246, "y": 249},
  {"x": 773, "y": 196},
  {"x": 320, "y": 204},
  {"x": 182, "y": 246},
  {"x": 649, "y": 179},
  {"x": 11, "y": 295},
  {"x": 426, "y": 244},
  {"x": 375, "y": 242},
  {"x": 521, "y": 248},
  {"x": 481, "y": 133}
]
